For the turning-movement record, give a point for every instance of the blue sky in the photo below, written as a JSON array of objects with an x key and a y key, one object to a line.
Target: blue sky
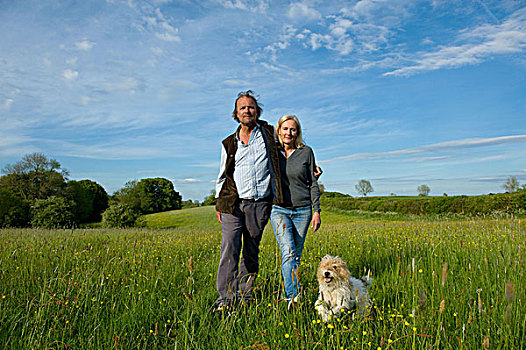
[{"x": 398, "y": 92}]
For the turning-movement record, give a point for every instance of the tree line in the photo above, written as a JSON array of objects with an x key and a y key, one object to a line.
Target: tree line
[
  {"x": 511, "y": 185},
  {"x": 505, "y": 203},
  {"x": 36, "y": 192}
]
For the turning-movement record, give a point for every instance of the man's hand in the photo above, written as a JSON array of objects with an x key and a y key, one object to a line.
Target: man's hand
[
  {"x": 317, "y": 172},
  {"x": 316, "y": 221},
  {"x": 218, "y": 214}
]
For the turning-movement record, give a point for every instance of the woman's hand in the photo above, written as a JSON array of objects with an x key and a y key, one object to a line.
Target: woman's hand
[
  {"x": 316, "y": 221},
  {"x": 218, "y": 215},
  {"x": 317, "y": 172}
]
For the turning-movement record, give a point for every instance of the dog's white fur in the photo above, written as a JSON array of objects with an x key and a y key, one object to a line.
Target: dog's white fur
[{"x": 338, "y": 290}]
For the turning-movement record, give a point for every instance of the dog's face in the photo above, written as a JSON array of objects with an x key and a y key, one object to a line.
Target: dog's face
[{"x": 332, "y": 269}]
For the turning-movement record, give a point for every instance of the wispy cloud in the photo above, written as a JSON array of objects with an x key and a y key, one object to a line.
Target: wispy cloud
[
  {"x": 214, "y": 165},
  {"x": 438, "y": 147},
  {"x": 362, "y": 28},
  {"x": 129, "y": 84},
  {"x": 7, "y": 103},
  {"x": 427, "y": 159},
  {"x": 84, "y": 45},
  {"x": 187, "y": 181},
  {"x": 160, "y": 25},
  {"x": 475, "y": 45},
  {"x": 488, "y": 178},
  {"x": 120, "y": 147},
  {"x": 70, "y": 74},
  {"x": 300, "y": 11},
  {"x": 246, "y": 5}
]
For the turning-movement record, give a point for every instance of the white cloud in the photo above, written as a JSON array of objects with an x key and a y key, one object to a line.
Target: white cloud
[
  {"x": 480, "y": 43},
  {"x": 342, "y": 43},
  {"x": 84, "y": 45},
  {"x": 157, "y": 51},
  {"x": 72, "y": 61},
  {"x": 130, "y": 84},
  {"x": 438, "y": 147},
  {"x": 302, "y": 12},
  {"x": 344, "y": 35},
  {"x": 214, "y": 165},
  {"x": 245, "y": 5},
  {"x": 318, "y": 40},
  {"x": 284, "y": 40},
  {"x": 379, "y": 12},
  {"x": 340, "y": 26},
  {"x": 427, "y": 159},
  {"x": 171, "y": 37},
  {"x": 162, "y": 27},
  {"x": 488, "y": 178},
  {"x": 70, "y": 75},
  {"x": 427, "y": 41},
  {"x": 234, "y": 82},
  {"x": 86, "y": 100},
  {"x": 8, "y": 103},
  {"x": 187, "y": 181},
  {"x": 234, "y": 4}
]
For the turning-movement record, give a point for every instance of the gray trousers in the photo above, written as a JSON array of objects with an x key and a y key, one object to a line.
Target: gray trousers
[{"x": 242, "y": 231}]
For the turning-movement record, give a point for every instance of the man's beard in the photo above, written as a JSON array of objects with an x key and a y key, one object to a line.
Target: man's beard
[{"x": 250, "y": 123}]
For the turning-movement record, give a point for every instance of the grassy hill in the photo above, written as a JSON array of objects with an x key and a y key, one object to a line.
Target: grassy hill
[
  {"x": 204, "y": 218},
  {"x": 200, "y": 218}
]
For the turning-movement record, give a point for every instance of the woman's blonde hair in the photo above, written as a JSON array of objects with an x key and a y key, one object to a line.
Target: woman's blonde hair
[{"x": 299, "y": 140}]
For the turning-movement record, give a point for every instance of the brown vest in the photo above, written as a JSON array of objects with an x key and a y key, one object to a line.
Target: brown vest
[{"x": 228, "y": 194}]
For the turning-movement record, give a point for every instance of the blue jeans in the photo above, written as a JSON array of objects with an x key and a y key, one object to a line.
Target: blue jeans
[{"x": 290, "y": 227}]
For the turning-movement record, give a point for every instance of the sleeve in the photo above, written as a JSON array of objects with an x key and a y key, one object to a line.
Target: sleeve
[
  {"x": 221, "y": 177},
  {"x": 314, "y": 188}
]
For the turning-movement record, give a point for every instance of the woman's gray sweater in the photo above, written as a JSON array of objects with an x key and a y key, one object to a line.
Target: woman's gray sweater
[{"x": 300, "y": 187}]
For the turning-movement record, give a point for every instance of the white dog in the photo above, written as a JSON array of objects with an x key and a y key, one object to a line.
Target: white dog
[{"x": 338, "y": 290}]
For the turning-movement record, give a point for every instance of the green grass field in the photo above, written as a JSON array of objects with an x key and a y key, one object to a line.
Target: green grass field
[{"x": 438, "y": 284}]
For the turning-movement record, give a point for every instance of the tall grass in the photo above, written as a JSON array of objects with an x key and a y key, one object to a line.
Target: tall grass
[{"x": 440, "y": 284}]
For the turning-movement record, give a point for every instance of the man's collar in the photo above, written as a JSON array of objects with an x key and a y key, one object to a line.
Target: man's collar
[{"x": 257, "y": 127}]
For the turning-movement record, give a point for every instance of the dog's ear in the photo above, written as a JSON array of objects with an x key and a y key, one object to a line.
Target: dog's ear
[
  {"x": 345, "y": 273},
  {"x": 339, "y": 260}
]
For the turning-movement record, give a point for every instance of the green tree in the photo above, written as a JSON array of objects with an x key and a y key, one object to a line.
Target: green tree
[
  {"x": 34, "y": 177},
  {"x": 119, "y": 215},
  {"x": 190, "y": 204},
  {"x": 158, "y": 195},
  {"x": 53, "y": 212},
  {"x": 128, "y": 196},
  {"x": 211, "y": 199},
  {"x": 364, "y": 187},
  {"x": 511, "y": 185},
  {"x": 150, "y": 195},
  {"x": 423, "y": 190},
  {"x": 14, "y": 212},
  {"x": 90, "y": 200}
]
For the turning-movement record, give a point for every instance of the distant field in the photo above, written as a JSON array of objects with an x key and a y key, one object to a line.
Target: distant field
[
  {"x": 439, "y": 284},
  {"x": 195, "y": 218}
]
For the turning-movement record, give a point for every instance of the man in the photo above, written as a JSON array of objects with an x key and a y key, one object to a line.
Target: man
[{"x": 249, "y": 181}]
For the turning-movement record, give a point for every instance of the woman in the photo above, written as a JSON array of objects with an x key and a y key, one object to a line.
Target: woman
[{"x": 301, "y": 202}]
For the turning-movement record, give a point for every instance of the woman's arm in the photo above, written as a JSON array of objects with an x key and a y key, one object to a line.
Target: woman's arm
[{"x": 314, "y": 193}]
